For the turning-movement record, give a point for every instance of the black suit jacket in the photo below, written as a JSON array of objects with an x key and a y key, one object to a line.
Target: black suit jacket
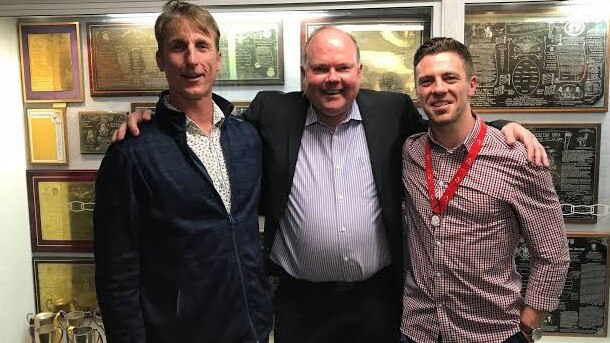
[{"x": 388, "y": 119}]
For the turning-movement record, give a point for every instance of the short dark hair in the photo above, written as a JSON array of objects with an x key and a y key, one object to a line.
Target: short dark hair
[
  {"x": 434, "y": 46},
  {"x": 194, "y": 14}
]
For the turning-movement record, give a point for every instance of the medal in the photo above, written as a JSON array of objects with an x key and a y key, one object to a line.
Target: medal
[
  {"x": 440, "y": 205},
  {"x": 435, "y": 220}
]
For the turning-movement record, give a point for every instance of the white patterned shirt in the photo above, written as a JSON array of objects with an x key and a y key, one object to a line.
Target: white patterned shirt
[{"x": 209, "y": 151}]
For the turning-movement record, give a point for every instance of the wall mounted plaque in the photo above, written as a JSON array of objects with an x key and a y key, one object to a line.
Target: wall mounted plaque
[
  {"x": 387, "y": 47},
  {"x": 51, "y": 68},
  {"x": 122, "y": 56},
  {"x": 96, "y": 128},
  {"x": 61, "y": 209},
  {"x": 240, "y": 107},
  {"x": 150, "y": 105},
  {"x": 573, "y": 151},
  {"x": 47, "y": 136},
  {"x": 536, "y": 60},
  {"x": 65, "y": 284},
  {"x": 583, "y": 304},
  {"x": 122, "y": 60},
  {"x": 252, "y": 51}
]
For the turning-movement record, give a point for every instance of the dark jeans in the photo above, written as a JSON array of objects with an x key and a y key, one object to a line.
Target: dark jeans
[
  {"x": 332, "y": 312},
  {"x": 516, "y": 338}
]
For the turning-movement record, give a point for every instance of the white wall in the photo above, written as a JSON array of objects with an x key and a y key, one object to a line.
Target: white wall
[{"x": 16, "y": 284}]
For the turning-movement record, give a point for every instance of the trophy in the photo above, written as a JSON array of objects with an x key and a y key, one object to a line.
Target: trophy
[
  {"x": 84, "y": 334},
  {"x": 48, "y": 333}
]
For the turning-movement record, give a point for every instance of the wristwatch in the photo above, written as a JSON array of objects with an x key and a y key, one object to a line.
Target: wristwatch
[{"x": 534, "y": 333}]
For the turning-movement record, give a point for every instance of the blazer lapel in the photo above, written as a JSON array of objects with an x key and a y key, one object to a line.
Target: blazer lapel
[
  {"x": 373, "y": 129},
  {"x": 295, "y": 125}
]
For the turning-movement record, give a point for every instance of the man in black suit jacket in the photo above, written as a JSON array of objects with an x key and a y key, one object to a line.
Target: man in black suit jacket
[
  {"x": 348, "y": 290},
  {"x": 337, "y": 283}
]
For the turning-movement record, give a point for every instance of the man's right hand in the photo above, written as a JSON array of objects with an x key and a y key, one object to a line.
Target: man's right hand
[{"x": 131, "y": 122}]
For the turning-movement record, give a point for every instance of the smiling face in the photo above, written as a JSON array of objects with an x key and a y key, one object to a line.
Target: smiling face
[
  {"x": 443, "y": 88},
  {"x": 331, "y": 74},
  {"x": 190, "y": 60}
]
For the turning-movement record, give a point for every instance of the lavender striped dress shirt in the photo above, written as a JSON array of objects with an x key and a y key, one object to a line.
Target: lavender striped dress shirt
[{"x": 332, "y": 228}]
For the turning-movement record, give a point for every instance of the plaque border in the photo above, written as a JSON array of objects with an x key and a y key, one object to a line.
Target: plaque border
[
  {"x": 33, "y": 142},
  {"x": 364, "y": 20},
  {"x": 38, "y": 260},
  {"x": 528, "y": 12},
  {"x": 596, "y": 126},
  {"x": 39, "y": 244},
  {"x": 31, "y": 96}
]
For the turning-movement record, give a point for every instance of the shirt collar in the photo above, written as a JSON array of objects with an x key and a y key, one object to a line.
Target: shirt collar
[
  {"x": 217, "y": 119},
  {"x": 313, "y": 117},
  {"x": 469, "y": 141}
]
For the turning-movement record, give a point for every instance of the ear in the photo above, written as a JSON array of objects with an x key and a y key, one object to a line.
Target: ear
[
  {"x": 219, "y": 60},
  {"x": 159, "y": 58},
  {"x": 472, "y": 86}
]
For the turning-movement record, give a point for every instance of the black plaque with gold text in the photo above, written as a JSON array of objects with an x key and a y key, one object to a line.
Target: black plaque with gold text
[
  {"x": 583, "y": 303},
  {"x": 573, "y": 151},
  {"x": 553, "y": 64}
]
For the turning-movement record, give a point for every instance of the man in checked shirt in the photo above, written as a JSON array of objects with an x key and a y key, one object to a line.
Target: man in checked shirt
[{"x": 470, "y": 199}]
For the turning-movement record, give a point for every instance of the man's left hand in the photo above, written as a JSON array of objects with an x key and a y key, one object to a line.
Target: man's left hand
[{"x": 536, "y": 154}]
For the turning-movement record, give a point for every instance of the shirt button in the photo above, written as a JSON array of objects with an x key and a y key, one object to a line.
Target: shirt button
[
  {"x": 340, "y": 196},
  {"x": 343, "y": 229},
  {"x": 345, "y": 258},
  {"x": 438, "y": 243},
  {"x": 438, "y": 274},
  {"x": 338, "y": 166}
]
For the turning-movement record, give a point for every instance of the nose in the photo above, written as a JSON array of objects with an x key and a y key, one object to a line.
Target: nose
[
  {"x": 190, "y": 56},
  {"x": 332, "y": 76},
  {"x": 439, "y": 86}
]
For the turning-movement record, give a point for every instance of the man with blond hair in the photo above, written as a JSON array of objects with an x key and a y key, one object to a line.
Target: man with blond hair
[{"x": 177, "y": 252}]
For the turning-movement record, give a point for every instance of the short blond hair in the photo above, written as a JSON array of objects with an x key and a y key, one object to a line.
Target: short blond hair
[{"x": 195, "y": 15}]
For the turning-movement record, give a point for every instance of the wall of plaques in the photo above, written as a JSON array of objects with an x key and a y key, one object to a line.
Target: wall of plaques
[{"x": 544, "y": 64}]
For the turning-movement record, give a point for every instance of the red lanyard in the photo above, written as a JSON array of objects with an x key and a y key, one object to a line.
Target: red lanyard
[{"x": 439, "y": 206}]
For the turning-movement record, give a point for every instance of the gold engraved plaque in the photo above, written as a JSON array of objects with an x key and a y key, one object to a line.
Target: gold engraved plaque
[
  {"x": 51, "y": 67},
  {"x": 252, "y": 52},
  {"x": 96, "y": 130},
  {"x": 122, "y": 60},
  {"x": 47, "y": 136},
  {"x": 66, "y": 210},
  {"x": 61, "y": 209},
  {"x": 67, "y": 285}
]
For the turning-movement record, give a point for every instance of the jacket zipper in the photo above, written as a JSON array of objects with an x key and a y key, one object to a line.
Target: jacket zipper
[{"x": 241, "y": 277}]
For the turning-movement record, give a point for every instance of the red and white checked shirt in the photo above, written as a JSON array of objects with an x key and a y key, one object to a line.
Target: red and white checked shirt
[{"x": 462, "y": 281}]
